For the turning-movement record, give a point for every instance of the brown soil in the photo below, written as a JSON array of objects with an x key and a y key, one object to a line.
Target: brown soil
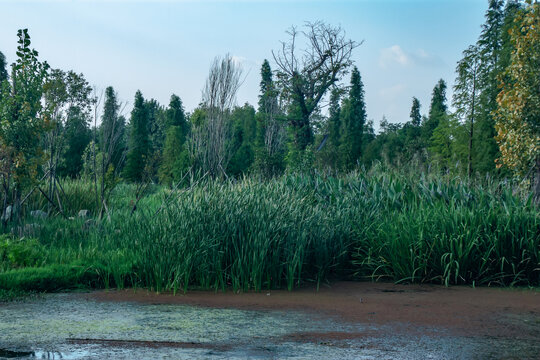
[{"x": 465, "y": 311}]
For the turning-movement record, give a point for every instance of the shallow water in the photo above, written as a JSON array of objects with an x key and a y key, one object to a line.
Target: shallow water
[{"x": 64, "y": 326}]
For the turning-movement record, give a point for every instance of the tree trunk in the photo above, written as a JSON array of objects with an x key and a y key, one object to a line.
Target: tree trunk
[
  {"x": 470, "y": 167},
  {"x": 303, "y": 133}
]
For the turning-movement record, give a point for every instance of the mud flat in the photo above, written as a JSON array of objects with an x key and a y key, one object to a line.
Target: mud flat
[{"x": 344, "y": 321}]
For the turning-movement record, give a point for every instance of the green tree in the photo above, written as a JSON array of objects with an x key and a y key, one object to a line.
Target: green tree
[
  {"x": 391, "y": 142},
  {"x": 489, "y": 47},
  {"x": 3, "y": 68},
  {"x": 243, "y": 140},
  {"x": 416, "y": 118},
  {"x": 518, "y": 113},
  {"x": 139, "y": 142},
  {"x": 176, "y": 160},
  {"x": 68, "y": 100},
  {"x": 175, "y": 115},
  {"x": 413, "y": 146},
  {"x": 442, "y": 144},
  {"x": 3, "y": 74},
  {"x": 465, "y": 98},
  {"x": 22, "y": 121},
  {"x": 354, "y": 117},
  {"x": 270, "y": 129},
  {"x": 437, "y": 110},
  {"x": 77, "y": 137},
  {"x": 175, "y": 154},
  {"x": 268, "y": 102}
]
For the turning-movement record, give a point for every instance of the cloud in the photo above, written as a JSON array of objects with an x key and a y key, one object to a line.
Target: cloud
[
  {"x": 239, "y": 60},
  {"x": 395, "y": 55}
]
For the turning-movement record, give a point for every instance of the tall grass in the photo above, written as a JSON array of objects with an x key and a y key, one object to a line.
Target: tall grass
[{"x": 281, "y": 233}]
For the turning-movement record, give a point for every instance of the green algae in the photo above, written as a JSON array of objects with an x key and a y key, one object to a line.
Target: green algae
[{"x": 53, "y": 325}]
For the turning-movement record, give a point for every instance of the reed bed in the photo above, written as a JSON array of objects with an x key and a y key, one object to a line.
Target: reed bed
[{"x": 254, "y": 234}]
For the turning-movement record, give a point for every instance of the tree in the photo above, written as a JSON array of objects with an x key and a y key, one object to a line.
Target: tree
[
  {"x": 176, "y": 159},
  {"x": 329, "y": 150},
  {"x": 437, "y": 110},
  {"x": 139, "y": 142},
  {"x": 307, "y": 76},
  {"x": 175, "y": 156},
  {"x": 489, "y": 46},
  {"x": 3, "y": 68},
  {"x": 518, "y": 112},
  {"x": 270, "y": 131},
  {"x": 3, "y": 73},
  {"x": 210, "y": 138},
  {"x": 157, "y": 125},
  {"x": 22, "y": 122},
  {"x": 354, "y": 117},
  {"x": 77, "y": 137},
  {"x": 67, "y": 96},
  {"x": 390, "y": 142},
  {"x": 416, "y": 118},
  {"x": 465, "y": 98},
  {"x": 442, "y": 144},
  {"x": 107, "y": 163},
  {"x": 112, "y": 132},
  {"x": 175, "y": 115},
  {"x": 243, "y": 139}
]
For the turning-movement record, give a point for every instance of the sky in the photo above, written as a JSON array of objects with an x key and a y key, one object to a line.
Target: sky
[{"x": 166, "y": 47}]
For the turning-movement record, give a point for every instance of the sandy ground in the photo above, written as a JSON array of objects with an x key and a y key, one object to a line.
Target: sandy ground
[{"x": 460, "y": 311}]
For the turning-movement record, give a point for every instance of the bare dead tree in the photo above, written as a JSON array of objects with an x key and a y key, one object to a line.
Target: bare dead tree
[
  {"x": 307, "y": 74},
  {"x": 210, "y": 139}
]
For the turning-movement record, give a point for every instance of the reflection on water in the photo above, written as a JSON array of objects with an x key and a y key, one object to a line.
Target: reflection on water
[
  {"x": 10, "y": 354},
  {"x": 64, "y": 356},
  {"x": 62, "y": 326}
]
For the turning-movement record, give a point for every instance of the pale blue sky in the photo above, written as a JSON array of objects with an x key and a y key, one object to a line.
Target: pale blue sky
[{"x": 165, "y": 47}]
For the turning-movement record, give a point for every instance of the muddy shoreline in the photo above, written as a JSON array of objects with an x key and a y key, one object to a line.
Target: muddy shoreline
[
  {"x": 462, "y": 311},
  {"x": 347, "y": 320}
]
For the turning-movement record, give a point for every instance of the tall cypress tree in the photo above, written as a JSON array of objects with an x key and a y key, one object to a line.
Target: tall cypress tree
[
  {"x": 437, "y": 111},
  {"x": 175, "y": 156},
  {"x": 267, "y": 103},
  {"x": 138, "y": 141},
  {"x": 411, "y": 132},
  {"x": 269, "y": 139},
  {"x": 489, "y": 46},
  {"x": 465, "y": 98},
  {"x": 175, "y": 115},
  {"x": 155, "y": 132},
  {"x": 354, "y": 118},
  {"x": 416, "y": 118},
  {"x": 112, "y": 130}
]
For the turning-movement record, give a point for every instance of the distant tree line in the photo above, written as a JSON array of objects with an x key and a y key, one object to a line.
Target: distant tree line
[{"x": 54, "y": 125}]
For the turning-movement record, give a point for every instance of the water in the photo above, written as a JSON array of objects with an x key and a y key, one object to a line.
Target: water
[{"x": 63, "y": 326}]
